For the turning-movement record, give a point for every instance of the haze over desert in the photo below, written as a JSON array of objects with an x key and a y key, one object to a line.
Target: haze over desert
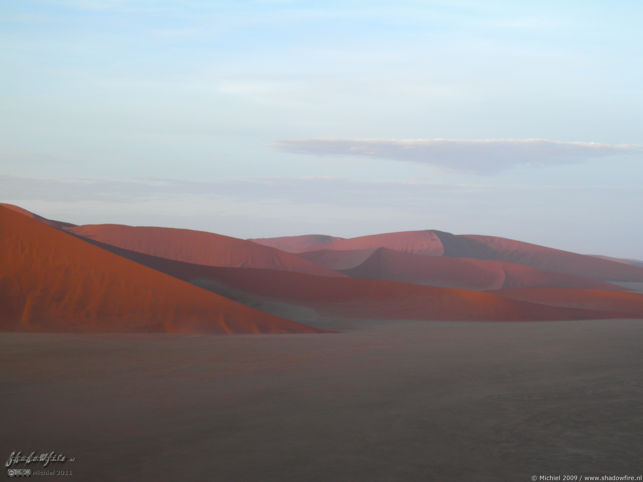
[{"x": 341, "y": 241}]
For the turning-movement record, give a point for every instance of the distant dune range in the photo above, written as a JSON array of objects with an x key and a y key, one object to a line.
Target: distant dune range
[
  {"x": 439, "y": 243},
  {"x": 376, "y": 299},
  {"x": 52, "y": 281},
  {"x": 109, "y": 278}
]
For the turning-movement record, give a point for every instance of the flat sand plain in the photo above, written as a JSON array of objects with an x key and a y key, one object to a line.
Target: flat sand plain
[{"x": 380, "y": 401}]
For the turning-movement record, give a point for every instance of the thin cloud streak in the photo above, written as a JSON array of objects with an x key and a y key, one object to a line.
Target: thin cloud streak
[
  {"x": 478, "y": 156},
  {"x": 256, "y": 207},
  {"x": 295, "y": 189}
]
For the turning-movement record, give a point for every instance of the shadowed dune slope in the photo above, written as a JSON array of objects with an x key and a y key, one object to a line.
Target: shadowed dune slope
[
  {"x": 49, "y": 222},
  {"x": 52, "y": 281},
  {"x": 464, "y": 273},
  {"x": 541, "y": 257},
  {"x": 296, "y": 244},
  {"x": 198, "y": 247},
  {"x": 624, "y": 302},
  {"x": 366, "y": 298}
]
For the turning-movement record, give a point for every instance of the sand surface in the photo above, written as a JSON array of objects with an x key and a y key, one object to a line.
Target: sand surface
[{"x": 385, "y": 401}]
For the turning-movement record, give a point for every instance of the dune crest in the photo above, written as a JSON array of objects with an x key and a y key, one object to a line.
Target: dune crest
[{"x": 49, "y": 222}]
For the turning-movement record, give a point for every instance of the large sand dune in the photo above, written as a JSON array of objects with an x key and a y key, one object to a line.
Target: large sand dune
[
  {"x": 198, "y": 247},
  {"x": 53, "y": 281}
]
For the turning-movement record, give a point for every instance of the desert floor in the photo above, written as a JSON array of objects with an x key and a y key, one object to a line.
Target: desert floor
[{"x": 395, "y": 401}]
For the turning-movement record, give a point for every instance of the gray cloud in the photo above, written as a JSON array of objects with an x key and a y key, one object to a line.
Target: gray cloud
[{"x": 484, "y": 156}]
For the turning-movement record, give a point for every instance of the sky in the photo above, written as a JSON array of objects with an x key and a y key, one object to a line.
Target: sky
[{"x": 262, "y": 118}]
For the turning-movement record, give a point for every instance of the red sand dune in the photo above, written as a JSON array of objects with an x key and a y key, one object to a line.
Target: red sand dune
[
  {"x": 198, "y": 247},
  {"x": 541, "y": 257},
  {"x": 296, "y": 244},
  {"x": 618, "y": 301},
  {"x": 52, "y": 281},
  {"x": 365, "y": 298},
  {"x": 50, "y": 222},
  {"x": 463, "y": 272}
]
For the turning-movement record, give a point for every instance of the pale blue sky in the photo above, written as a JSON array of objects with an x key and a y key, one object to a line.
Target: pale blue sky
[{"x": 176, "y": 113}]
